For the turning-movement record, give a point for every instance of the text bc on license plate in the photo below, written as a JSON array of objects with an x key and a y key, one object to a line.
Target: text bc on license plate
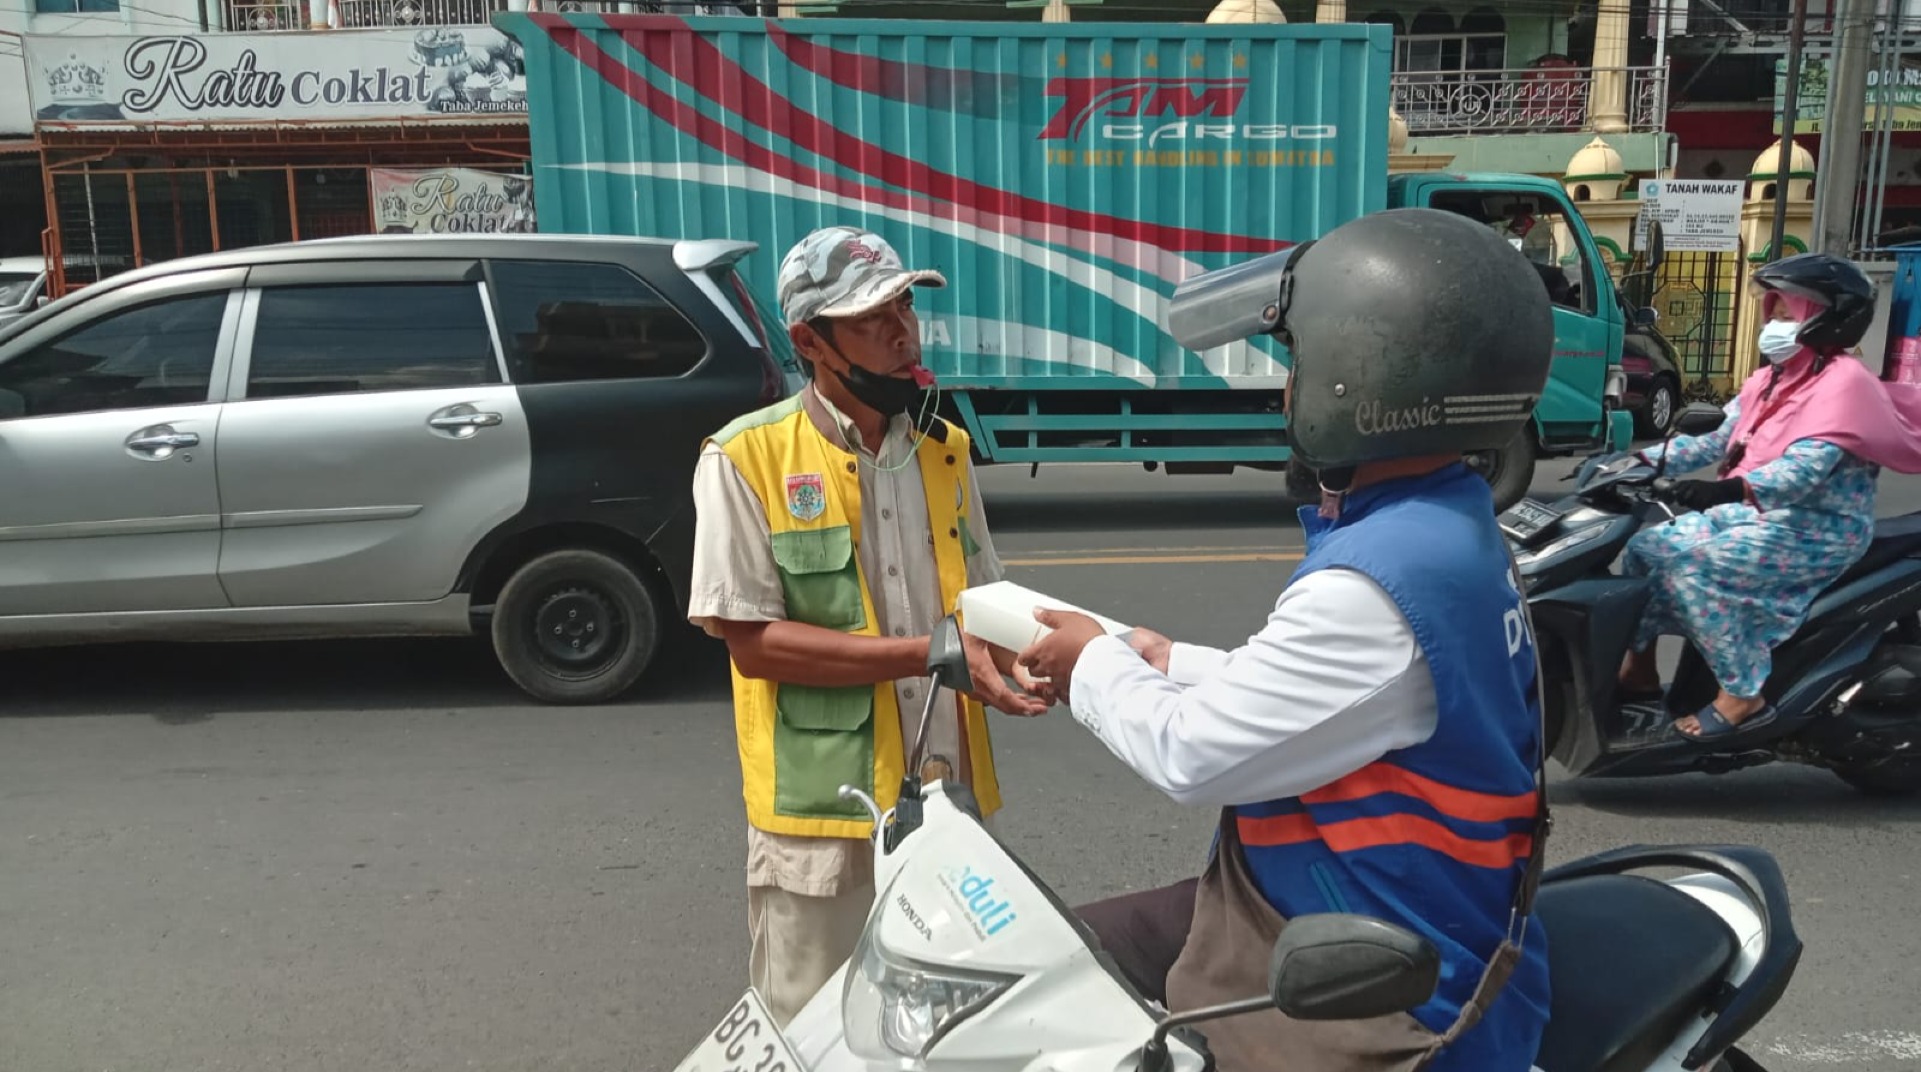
[{"x": 746, "y": 1040}]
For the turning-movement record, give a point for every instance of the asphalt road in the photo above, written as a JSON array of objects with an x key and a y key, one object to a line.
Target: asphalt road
[{"x": 374, "y": 855}]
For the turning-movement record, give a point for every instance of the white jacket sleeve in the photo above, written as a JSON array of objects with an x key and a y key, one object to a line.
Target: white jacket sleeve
[{"x": 1333, "y": 681}]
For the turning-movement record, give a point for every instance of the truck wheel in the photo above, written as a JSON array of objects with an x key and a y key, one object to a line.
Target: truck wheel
[
  {"x": 1657, "y": 413},
  {"x": 1887, "y": 780},
  {"x": 1509, "y": 470},
  {"x": 575, "y": 626}
]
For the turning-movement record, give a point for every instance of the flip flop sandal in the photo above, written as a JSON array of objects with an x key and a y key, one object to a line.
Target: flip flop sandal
[{"x": 1714, "y": 724}]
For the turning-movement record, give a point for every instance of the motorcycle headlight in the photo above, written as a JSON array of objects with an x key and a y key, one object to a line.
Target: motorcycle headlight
[{"x": 893, "y": 1006}]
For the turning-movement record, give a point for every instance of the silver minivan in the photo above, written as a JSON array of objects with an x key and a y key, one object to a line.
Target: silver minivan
[{"x": 392, "y": 435}]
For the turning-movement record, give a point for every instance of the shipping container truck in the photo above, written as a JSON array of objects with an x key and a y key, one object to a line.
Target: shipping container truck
[{"x": 1065, "y": 177}]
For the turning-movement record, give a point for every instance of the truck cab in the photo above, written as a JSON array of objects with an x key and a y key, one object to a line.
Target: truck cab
[{"x": 1582, "y": 408}]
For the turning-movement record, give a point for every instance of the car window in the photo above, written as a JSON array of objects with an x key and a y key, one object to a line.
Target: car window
[
  {"x": 1540, "y": 231},
  {"x": 156, "y": 354},
  {"x": 566, "y": 321},
  {"x": 15, "y": 287},
  {"x": 318, "y": 340}
]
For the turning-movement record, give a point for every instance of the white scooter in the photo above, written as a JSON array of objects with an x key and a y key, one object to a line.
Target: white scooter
[{"x": 969, "y": 963}]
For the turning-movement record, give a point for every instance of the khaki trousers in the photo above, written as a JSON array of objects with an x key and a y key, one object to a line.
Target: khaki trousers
[{"x": 799, "y": 942}]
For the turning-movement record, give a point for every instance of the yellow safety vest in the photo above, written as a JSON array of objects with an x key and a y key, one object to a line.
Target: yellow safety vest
[{"x": 799, "y": 743}]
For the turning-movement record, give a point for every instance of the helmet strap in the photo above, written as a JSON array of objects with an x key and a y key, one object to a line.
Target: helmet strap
[{"x": 1335, "y": 484}]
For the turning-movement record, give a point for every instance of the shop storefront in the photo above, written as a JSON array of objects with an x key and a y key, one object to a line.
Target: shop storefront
[{"x": 159, "y": 147}]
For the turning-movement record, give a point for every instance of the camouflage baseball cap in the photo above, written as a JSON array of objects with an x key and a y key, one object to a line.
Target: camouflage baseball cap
[{"x": 844, "y": 271}]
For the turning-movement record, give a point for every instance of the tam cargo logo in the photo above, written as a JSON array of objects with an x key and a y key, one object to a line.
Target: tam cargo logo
[{"x": 1154, "y": 109}]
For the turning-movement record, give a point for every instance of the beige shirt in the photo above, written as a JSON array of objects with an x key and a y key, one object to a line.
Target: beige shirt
[{"x": 735, "y": 579}]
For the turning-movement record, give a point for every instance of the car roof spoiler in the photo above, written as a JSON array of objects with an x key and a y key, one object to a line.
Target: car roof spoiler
[{"x": 705, "y": 254}]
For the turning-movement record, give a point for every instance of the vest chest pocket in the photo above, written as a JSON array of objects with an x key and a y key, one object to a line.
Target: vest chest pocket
[
  {"x": 819, "y": 577},
  {"x": 823, "y": 739}
]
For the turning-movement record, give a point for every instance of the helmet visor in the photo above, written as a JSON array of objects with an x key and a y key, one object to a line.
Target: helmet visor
[
  {"x": 1234, "y": 303},
  {"x": 1784, "y": 301}
]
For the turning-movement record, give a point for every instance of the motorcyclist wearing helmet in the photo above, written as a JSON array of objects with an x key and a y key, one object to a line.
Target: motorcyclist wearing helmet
[
  {"x": 1374, "y": 748},
  {"x": 1791, "y": 504}
]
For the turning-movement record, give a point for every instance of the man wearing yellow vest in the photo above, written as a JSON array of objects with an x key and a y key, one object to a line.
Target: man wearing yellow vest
[{"x": 834, "y": 530}]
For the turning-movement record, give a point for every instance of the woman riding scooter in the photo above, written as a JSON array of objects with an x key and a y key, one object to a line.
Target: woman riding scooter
[{"x": 1792, "y": 504}]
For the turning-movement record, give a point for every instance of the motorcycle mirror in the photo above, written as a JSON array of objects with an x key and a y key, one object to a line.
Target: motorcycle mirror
[
  {"x": 947, "y": 656},
  {"x": 1335, "y": 966},
  {"x": 1699, "y": 418},
  {"x": 1328, "y": 966}
]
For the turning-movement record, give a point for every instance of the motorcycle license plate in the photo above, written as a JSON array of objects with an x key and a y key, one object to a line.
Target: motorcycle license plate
[
  {"x": 745, "y": 1040},
  {"x": 1527, "y": 519}
]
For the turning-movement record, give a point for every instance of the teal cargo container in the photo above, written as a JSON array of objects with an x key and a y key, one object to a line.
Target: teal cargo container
[{"x": 1065, "y": 177}]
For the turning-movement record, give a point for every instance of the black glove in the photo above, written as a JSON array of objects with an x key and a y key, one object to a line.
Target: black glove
[{"x": 1706, "y": 494}]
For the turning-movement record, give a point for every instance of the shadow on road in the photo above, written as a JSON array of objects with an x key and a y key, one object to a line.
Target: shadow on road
[
  {"x": 187, "y": 683},
  {"x": 1775, "y": 795}
]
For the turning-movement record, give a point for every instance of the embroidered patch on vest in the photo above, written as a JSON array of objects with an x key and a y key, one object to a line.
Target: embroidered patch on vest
[{"x": 806, "y": 496}]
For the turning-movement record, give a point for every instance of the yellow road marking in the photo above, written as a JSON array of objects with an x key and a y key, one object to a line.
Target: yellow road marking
[
  {"x": 1150, "y": 559},
  {"x": 1188, "y": 550}
]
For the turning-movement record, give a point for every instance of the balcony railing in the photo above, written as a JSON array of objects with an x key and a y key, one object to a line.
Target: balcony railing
[{"x": 1537, "y": 100}]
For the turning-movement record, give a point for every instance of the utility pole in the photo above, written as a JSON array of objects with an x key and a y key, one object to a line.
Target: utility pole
[
  {"x": 1790, "y": 97},
  {"x": 1840, "y": 174}
]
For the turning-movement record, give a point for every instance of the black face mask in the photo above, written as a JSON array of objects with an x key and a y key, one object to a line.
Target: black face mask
[{"x": 888, "y": 395}]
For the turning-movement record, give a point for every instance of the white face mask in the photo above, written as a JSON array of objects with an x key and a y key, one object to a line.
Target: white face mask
[{"x": 1779, "y": 341}]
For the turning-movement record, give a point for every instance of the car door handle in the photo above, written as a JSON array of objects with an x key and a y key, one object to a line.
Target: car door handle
[
  {"x": 452, "y": 421},
  {"x": 164, "y": 441}
]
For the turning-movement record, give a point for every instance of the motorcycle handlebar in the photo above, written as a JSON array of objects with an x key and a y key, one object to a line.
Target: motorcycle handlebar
[{"x": 1650, "y": 486}]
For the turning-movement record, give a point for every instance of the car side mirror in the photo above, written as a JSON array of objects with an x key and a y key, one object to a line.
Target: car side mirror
[
  {"x": 40, "y": 301},
  {"x": 1645, "y": 317},
  {"x": 947, "y": 656},
  {"x": 1699, "y": 418},
  {"x": 1335, "y": 966}
]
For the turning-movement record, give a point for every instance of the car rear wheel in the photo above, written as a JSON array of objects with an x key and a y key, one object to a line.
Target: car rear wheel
[
  {"x": 575, "y": 626},
  {"x": 1656, "y": 414}
]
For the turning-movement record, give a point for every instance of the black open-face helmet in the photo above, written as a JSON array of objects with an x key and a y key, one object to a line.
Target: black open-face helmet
[
  {"x": 1412, "y": 332},
  {"x": 1837, "y": 284}
]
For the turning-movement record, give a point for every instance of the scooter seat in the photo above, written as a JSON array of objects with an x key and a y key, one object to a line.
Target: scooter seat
[
  {"x": 1895, "y": 538},
  {"x": 1630, "y": 962}
]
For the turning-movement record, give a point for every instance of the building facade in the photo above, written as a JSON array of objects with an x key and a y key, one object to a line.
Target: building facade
[{"x": 186, "y": 126}]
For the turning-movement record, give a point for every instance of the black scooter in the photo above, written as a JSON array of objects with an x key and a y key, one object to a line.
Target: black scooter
[{"x": 1846, "y": 686}]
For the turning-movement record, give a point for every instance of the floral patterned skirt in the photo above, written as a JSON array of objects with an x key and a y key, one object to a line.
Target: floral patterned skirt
[{"x": 1738, "y": 582}]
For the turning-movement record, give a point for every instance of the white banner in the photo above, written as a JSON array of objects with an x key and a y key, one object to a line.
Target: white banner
[
  {"x": 437, "y": 72},
  {"x": 451, "y": 201},
  {"x": 1696, "y": 215}
]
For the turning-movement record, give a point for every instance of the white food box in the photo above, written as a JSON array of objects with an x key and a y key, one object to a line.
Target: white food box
[{"x": 1003, "y": 613}]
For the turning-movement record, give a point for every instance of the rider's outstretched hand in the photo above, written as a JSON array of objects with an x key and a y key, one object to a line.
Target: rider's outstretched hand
[{"x": 989, "y": 688}]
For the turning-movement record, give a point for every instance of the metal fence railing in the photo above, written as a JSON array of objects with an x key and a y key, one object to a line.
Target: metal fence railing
[{"x": 1528, "y": 100}]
